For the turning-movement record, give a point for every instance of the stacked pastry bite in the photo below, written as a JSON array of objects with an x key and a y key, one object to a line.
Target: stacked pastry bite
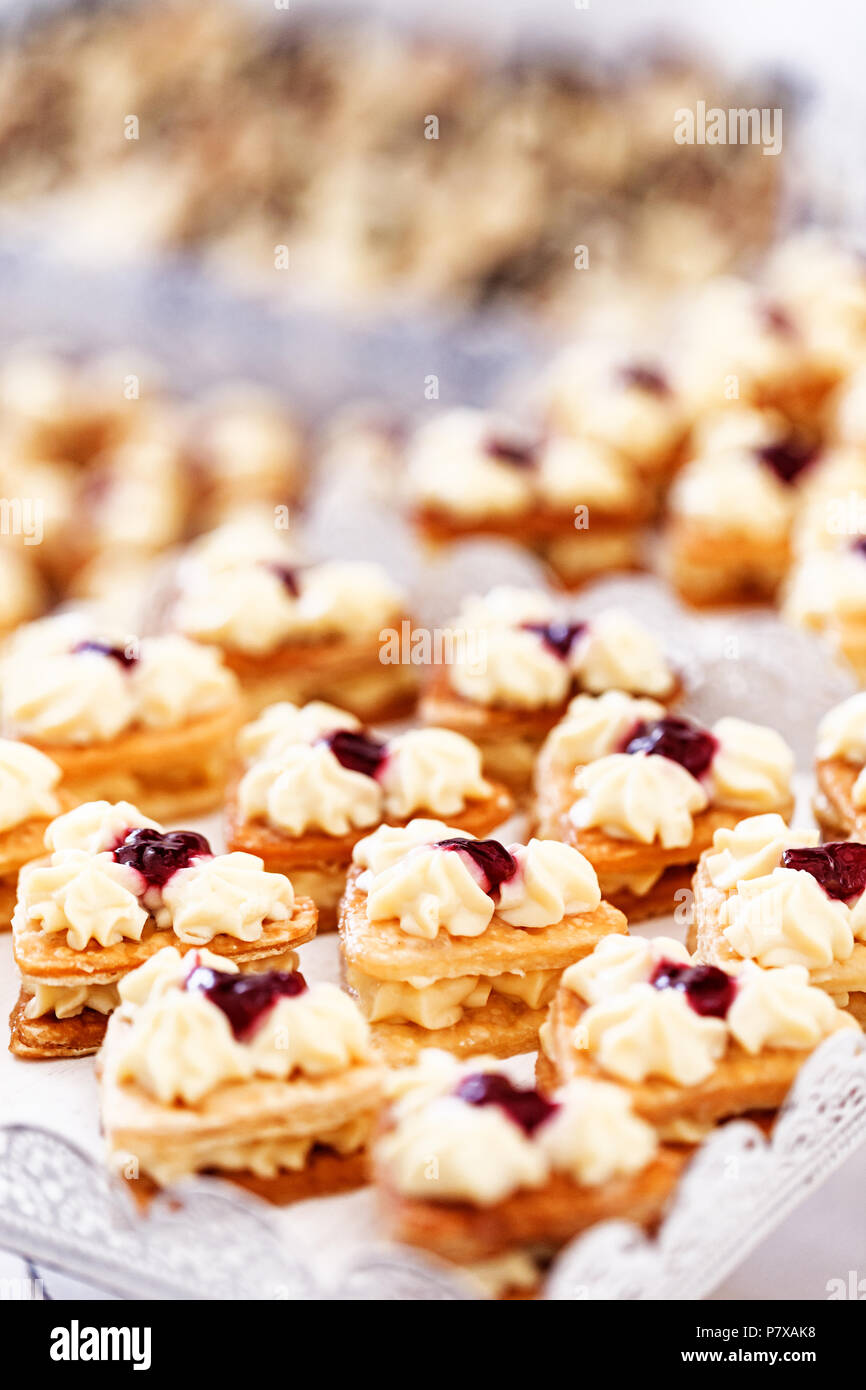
[
  {"x": 641, "y": 793},
  {"x": 840, "y": 760},
  {"x": 691, "y": 1043},
  {"x": 497, "y": 1178},
  {"x": 574, "y": 501},
  {"x": 316, "y": 781},
  {"x": 520, "y": 658},
  {"x": 292, "y": 631},
  {"x": 115, "y": 889},
  {"x": 770, "y": 894},
  {"x": 151, "y": 719},
  {"x": 458, "y": 943},
  {"x": 262, "y": 1078}
]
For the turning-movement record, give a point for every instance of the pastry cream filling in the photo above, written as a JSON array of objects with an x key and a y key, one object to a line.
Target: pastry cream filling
[
  {"x": 617, "y": 653},
  {"x": 66, "y": 1001},
  {"x": 180, "y": 1046},
  {"x": 506, "y": 605},
  {"x": 618, "y": 962},
  {"x": 842, "y": 731},
  {"x": 826, "y": 587},
  {"x": 591, "y": 400},
  {"x": 638, "y": 796},
  {"x": 431, "y": 769},
  {"x": 651, "y": 1032},
  {"x": 175, "y": 680},
  {"x": 786, "y": 918},
  {"x": 226, "y": 894},
  {"x": 90, "y": 897},
  {"x": 516, "y": 670},
  {"x": 594, "y": 726},
  {"x": 442, "y": 1149},
  {"x": 572, "y": 472},
  {"x": 751, "y": 768},
  {"x": 248, "y": 606},
  {"x": 450, "y": 469},
  {"x": 264, "y": 1157},
  {"x": 95, "y": 826},
  {"x": 427, "y": 888},
  {"x": 28, "y": 782},
  {"x": 282, "y": 725},
  {"x": 752, "y": 849},
  {"x": 442, "y": 1003},
  {"x": 779, "y": 1008},
  {"x": 734, "y": 491},
  {"x": 638, "y": 884}
]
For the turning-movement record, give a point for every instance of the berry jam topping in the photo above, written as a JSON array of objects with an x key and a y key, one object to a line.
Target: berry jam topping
[
  {"x": 525, "y": 1108},
  {"x": 520, "y": 453},
  {"x": 244, "y": 999},
  {"x": 122, "y": 655},
  {"x": 156, "y": 856},
  {"x": 776, "y": 320},
  {"x": 788, "y": 457},
  {"x": 678, "y": 739},
  {"x": 840, "y": 868},
  {"x": 559, "y": 637},
  {"x": 709, "y": 990},
  {"x": 288, "y": 577},
  {"x": 644, "y": 378},
  {"x": 490, "y": 857},
  {"x": 859, "y": 545},
  {"x": 357, "y": 752}
]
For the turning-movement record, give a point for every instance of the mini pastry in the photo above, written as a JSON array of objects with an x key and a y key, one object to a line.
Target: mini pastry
[
  {"x": 730, "y": 515},
  {"x": 258, "y": 1077},
  {"x": 152, "y": 719},
  {"x": 29, "y": 798},
  {"x": 295, "y": 632},
  {"x": 641, "y": 793},
  {"x": 736, "y": 341},
  {"x": 317, "y": 782},
  {"x": 765, "y": 893},
  {"x": 691, "y": 1043},
  {"x": 575, "y": 502},
  {"x": 840, "y": 770},
  {"x": 823, "y": 285},
  {"x": 453, "y": 942},
  {"x": 628, "y": 405},
  {"x": 114, "y": 890},
  {"x": 518, "y": 658},
  {"x": 496, "y": 1178},
  {"x": 826, "y": 594},
  {"x": 247, "y": 448}
]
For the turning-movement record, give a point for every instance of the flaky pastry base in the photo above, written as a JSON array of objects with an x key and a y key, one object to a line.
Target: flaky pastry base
[
  {"x": 833, "y": 804},
  {"x": 708, "y": 566}
]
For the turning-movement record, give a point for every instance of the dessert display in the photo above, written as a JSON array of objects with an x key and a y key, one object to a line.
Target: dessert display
[
  {"x": 458, "y": 943},
  {"x": 518, "y": 656},
  {"x": 774, "y": 895},
  {"x": 150, "y": 719},
  {"x": 30, "y": 797},
  {"x": 114, "y": 890},
  {"x": 292, "y": 631},
  {"x": 316, "y": 782},
  {"x": 496, "y": 1177},
  {"x": 641, "y": 793},
  {"x": 840, "y": 758},
  {"x": 691, "y": 1043},
  {"x": 259, "y": 1077},
  {"x": 576, "y": 502}
]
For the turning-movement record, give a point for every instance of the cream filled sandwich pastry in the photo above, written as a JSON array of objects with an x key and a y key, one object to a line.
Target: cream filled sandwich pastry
[
  {"x": 317, "y": 781},
  {"x": 293, "y": 631},
  {"x": 458, "y": 943},
  {"x": 773, "y": 895},
  {"x": 575, "y": 502},
  {"x": 150, "y": 720},
  {"x": 116, "y": 888},
  {"x": 691, "y": 1043},
  {"x": 259, "y": 1077},
  {"x": 641, "y": 793},
  {"x": 496, "y": 1178},
  {"x": 519, "y": 656}
]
